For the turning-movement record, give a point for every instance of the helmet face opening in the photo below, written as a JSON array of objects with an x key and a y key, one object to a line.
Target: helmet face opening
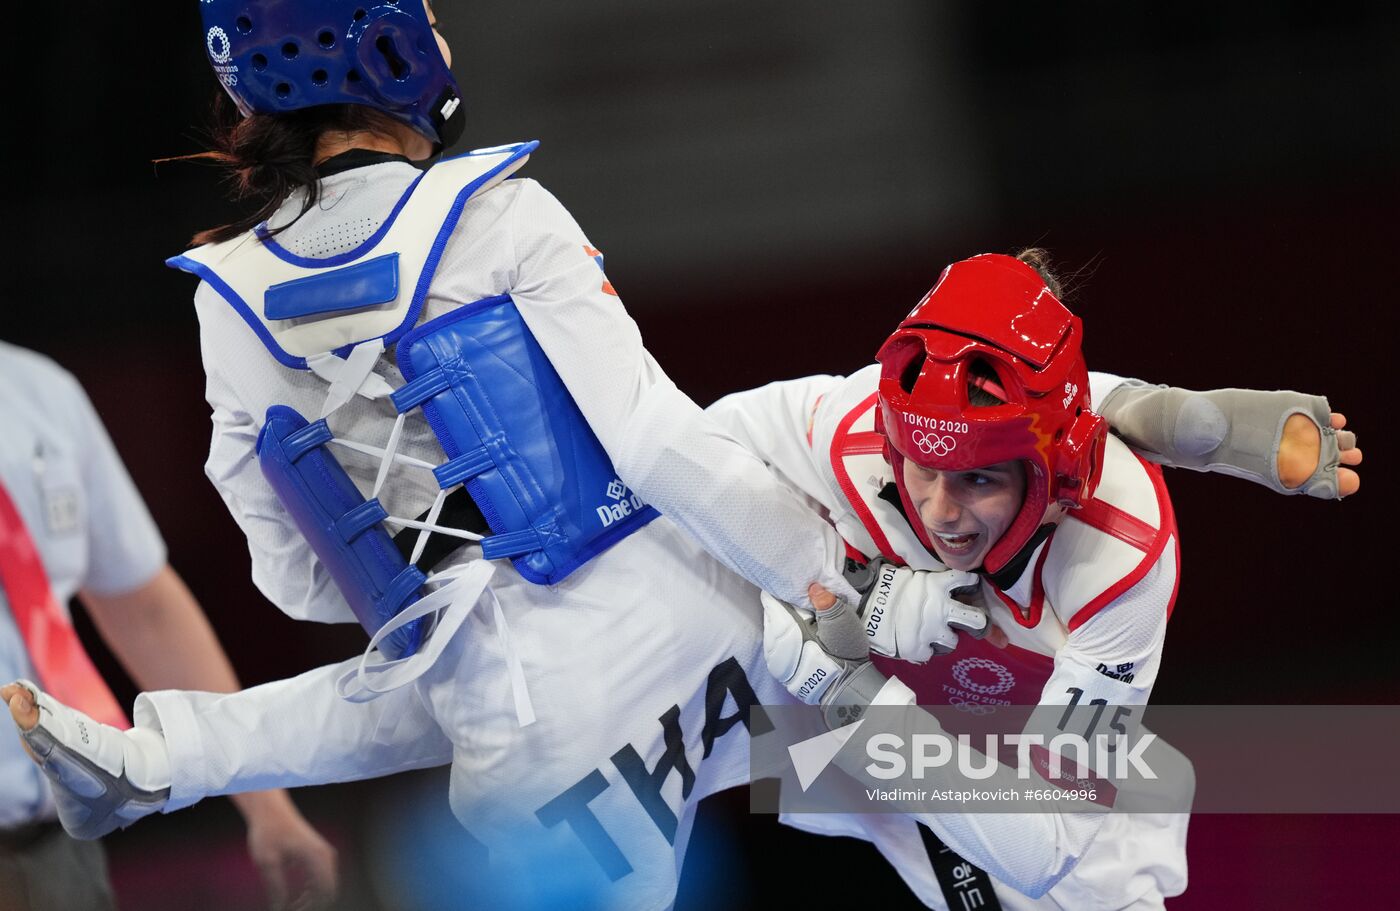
[
  {"x": 987, "y": 368},
  {"x": 275, "y": 56}
]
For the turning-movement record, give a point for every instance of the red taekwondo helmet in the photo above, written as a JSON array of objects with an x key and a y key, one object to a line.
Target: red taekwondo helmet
[{"x": 994, "y": 312}]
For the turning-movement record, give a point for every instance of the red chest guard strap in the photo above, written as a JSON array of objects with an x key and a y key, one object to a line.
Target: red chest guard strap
[{"x": 1133, "y": 531}]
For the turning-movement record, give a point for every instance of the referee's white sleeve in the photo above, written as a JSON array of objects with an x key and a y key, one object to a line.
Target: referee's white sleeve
[{"x": 125, "y": 550}]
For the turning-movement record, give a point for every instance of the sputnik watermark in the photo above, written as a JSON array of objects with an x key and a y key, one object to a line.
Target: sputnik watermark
[
  {"x": 1088, "y": 757},
  {"x": 1063, "y": 754},
  {"x": 938, "y": 759}
]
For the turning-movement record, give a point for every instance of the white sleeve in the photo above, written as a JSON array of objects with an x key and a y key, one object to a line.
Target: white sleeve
[
  {"x": 662, "y": 444},
  {"x": 288, "y": 733},
  {"x": 1100, "y": 385},
  {"x": 285, "y": 568},
  {"x": 774, "y": 422},
  {"x": 125, "y": 550}
]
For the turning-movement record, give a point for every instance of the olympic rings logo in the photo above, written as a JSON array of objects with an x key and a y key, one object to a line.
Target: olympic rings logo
[
  {"x": 937, "y": 445},
  {"x": 971, "y": 708},
  {"x": 962, "y": 673},
  {"x": 219, "y": 47}
]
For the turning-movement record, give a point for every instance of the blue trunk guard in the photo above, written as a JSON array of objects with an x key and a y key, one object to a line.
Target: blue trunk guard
[
  {"x": 516, "y": 439},
  {"x": 343, "y": 528}
]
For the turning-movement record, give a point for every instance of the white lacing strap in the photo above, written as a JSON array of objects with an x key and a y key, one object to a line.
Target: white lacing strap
[
  {"x": 354, "y": 375},
  {"x": 461, "y": 586},
  {"x": 382, "y": 453},
  {"x": 465, "y": 585},
  {"x": 428, "y": 525},
  {"x": 374, "y": 675},
  {"x": 350, "y": 375},
  {"x": 524, "y": 708},
  {"x": 391, "y": 450}
]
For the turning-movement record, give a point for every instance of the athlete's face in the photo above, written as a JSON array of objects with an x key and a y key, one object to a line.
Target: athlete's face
[{"x": 966, "y": 512}]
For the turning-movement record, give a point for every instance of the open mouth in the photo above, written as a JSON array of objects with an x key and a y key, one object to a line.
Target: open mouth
[{"x": 957, "y": 544}]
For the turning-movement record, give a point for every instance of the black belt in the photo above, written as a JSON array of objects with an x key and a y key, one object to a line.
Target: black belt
[
  {"x": 965, "y": 886},
  {"x": 24, "y": 837}
]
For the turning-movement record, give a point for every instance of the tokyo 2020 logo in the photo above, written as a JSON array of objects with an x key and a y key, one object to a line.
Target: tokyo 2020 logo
[
  {"x": 962, "y": 673},
  {"x": 220, "y": 48}
]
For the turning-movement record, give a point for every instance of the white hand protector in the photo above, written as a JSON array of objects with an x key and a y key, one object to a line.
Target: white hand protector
[
  {"x": 823, "y": 660},
  {"x": 914, "y": 615},
  {"x": 103, "y": 778}
]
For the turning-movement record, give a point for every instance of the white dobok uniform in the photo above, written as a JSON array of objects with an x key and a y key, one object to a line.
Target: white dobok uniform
[
  {"x": 618, "y": 663},
  {"x": 637, "y": 668},
  {"x": 1088, "y": 614}
]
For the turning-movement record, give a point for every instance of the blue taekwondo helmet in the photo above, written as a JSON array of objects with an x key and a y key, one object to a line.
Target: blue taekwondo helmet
[{"x": 275, "y": 56}]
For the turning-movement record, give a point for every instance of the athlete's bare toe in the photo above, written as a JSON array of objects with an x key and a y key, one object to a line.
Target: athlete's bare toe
[{"x": 21, "y": 703}]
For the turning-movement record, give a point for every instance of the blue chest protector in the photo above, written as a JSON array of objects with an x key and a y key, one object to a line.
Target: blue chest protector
[
  {"x": 512, "y": 434},
  {"x": 516, "y": 439}
]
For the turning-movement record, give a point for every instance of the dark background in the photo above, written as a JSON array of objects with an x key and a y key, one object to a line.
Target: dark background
[{"x": 774, "y": 184}]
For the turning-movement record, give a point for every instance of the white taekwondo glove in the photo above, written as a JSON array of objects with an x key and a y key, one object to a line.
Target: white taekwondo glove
[
  {"x": 914, "y": 615},
  {"x": 824, "y": 660},
  {"x": 103, "y": 778}
]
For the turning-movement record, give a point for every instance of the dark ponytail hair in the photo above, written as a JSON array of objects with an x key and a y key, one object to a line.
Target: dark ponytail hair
[
  {"x": 267, "y": 157},
  {"x": 1039, "y": 260}
]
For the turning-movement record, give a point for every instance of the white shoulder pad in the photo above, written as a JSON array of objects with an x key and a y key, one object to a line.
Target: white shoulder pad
[
  {"x": 300, "y": 307},
  {"x": 1101, "y": 550}
]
